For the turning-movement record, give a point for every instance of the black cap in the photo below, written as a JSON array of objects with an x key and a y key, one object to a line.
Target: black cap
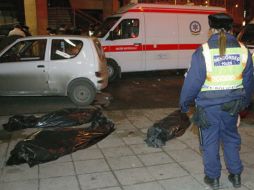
[
  {"x": 220, "y": 21},
  {"x": 25, "y": 27},
  {"x": 17, "y": 26}
]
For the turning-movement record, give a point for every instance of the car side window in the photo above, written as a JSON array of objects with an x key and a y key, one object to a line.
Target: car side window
[
  {"x": 65, "y": 49},
  {"x": 127, "y": 28},
  {"x": 29, "y": 50}
]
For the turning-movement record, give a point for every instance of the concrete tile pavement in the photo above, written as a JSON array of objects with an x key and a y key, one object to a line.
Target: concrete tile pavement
[{"x": 123, "y": 161}]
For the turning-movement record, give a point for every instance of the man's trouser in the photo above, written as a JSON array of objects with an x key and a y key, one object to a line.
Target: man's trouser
[{"x": 222, "y": 130}]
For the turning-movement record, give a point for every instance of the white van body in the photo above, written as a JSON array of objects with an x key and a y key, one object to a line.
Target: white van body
[
  {"x": 168, "y": 35},
  {"x": 70, "y": 66}
]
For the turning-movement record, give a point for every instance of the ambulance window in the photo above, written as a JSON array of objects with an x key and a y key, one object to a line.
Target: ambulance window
[
  {"x": 128, "y": 28},
  {"x": 105, "y": 27}
]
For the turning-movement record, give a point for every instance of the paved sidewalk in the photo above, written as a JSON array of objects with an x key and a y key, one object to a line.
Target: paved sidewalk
[{"x": 122, "y": 161}]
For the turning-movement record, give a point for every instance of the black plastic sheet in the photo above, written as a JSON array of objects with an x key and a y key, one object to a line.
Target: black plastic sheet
[
  {"x": 47, "y": 145},
  {"x": 174, "y": 125},
  {"x": 61, "y": 118}
]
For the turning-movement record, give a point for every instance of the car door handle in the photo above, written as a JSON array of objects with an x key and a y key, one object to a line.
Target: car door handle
[
  {"x": 137, "y": 44},
  {"x": 40, "y": 66}
]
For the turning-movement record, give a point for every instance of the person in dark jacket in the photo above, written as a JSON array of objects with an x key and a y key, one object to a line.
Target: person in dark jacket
[
  {"x": 25, "y": 29},
  {"x": 220, "y": 81},
  {"x": 17, "y": 31}
]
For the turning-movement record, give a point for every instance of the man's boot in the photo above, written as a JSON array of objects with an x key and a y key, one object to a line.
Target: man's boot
[
  {"x": 213, "y": 183},
  {"x": 235, "y": 179}
]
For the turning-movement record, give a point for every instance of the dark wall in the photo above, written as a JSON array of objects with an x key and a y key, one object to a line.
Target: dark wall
[
  {"x": 58, "y": 3},
  {"x": 14, "y": 8},
  {"x": 249, "y": 7}
]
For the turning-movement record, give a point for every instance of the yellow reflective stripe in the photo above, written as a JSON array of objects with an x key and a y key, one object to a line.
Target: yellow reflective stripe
[
  {"x": 223, "y": 78},
  {"x": 244, "y": 54},
  {"x": 207, "y": 56}
]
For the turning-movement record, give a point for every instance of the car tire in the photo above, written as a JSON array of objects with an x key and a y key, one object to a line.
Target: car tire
[
  {"x": 113, "y": 70},
  {"x": 81, "y": 92}
]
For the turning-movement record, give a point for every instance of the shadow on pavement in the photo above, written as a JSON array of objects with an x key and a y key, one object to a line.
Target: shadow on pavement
[{"x": 132, "y": 91}]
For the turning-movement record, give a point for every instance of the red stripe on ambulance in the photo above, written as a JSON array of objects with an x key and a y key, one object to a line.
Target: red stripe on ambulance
[
  {"x": 172, "y": 10},
  {"x": 150, "y": 47},
  {"x": 122, "y": 48}
]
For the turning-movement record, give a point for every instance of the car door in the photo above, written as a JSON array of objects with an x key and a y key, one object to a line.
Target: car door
[
  {"x": 23, "y": 70},
  {"x": 126, "y": 45},
  {"x": 65, "y": 62}
]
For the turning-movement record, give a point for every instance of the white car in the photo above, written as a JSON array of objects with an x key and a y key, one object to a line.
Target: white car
[{"x": 72, "y": 66}]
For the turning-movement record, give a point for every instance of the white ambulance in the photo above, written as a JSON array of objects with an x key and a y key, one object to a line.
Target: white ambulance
[{"x": 146, "y": 37}]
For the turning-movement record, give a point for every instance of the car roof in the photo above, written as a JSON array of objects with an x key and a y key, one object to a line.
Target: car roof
[{"x": 78, "y": 37}]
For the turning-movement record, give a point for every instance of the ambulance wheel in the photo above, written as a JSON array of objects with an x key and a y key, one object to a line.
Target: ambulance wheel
[
  {"x": 81, "y": 92},
  {"x": 113, "y": 70}
]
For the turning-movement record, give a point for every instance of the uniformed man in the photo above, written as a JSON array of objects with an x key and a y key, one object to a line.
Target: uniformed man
[{"x": 220, "y": 80}]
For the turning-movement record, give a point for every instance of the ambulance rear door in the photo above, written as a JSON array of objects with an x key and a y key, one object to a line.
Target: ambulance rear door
[
  {"x": 161, "y": 31},
  {"x": 193, "y": 31}
]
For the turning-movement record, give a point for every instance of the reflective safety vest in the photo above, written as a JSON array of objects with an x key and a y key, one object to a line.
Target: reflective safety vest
[{"x": 224, "y": 73}]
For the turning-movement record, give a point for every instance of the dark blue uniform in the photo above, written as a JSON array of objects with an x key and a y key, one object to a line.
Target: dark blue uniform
[{"x": 222, "y": 126}]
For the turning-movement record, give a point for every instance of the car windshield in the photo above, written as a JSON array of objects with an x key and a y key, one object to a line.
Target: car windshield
[
  {"x": 105, "y": 27},
  {"x": 247, "y": 36}
]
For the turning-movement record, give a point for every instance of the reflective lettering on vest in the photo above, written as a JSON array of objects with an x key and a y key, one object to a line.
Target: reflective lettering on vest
[
  {"x": 227, "y": 60},
  {"x": 223, "y": 73}
]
